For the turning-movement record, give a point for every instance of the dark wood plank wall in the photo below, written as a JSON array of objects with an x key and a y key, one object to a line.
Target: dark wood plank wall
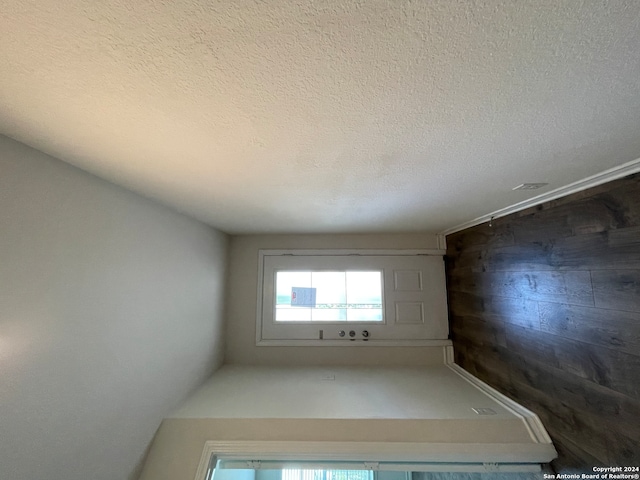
[{"x": 545, "y": 307}]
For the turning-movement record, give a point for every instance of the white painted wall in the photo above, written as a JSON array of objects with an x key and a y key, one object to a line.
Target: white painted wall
[
  {"x": 401, "y": 393},
  {"x": 242, "y": 295},
  {"x": 110, "y": 314},
  {"x": 430, "y": 405}
]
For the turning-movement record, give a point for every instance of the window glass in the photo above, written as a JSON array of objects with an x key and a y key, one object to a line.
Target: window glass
[
  {"x": 328, "y": 296},
  {"x": 300, "y": 474},
  {"x": 364, "y": 292}
]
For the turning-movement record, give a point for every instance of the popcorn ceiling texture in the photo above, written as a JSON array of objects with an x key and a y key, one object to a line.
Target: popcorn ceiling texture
[{"x": 325, "y": 116}]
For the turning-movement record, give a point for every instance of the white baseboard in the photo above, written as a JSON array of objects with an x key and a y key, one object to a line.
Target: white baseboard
[
  {"x": 530, "y": 419},
  {"x": 589, "y": 182}
]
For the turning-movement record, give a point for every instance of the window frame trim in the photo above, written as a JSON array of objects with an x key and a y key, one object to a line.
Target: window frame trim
[{"x": 262, "y": 253}]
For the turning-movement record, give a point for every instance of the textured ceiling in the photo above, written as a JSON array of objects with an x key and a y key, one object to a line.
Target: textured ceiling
[{"x": 326, "y": 116}]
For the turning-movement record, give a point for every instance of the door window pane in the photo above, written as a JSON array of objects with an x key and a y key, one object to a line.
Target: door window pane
[
  {"x": 285, "y": 281},
  {"x": 328, "y": 296}
]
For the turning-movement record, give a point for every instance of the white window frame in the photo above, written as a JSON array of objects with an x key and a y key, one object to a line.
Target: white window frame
[{"x": 437, "y": 307}]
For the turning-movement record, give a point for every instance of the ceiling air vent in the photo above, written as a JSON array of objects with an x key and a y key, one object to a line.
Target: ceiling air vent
[
  {"x": 529, "y": 186},
  {"x": 484, "y": 411}
]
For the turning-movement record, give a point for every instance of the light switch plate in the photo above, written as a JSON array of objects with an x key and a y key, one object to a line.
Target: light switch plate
[{"x": 484, "y": 411}]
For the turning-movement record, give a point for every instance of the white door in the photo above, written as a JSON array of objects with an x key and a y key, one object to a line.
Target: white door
[{"x": 333, "y": 297}]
